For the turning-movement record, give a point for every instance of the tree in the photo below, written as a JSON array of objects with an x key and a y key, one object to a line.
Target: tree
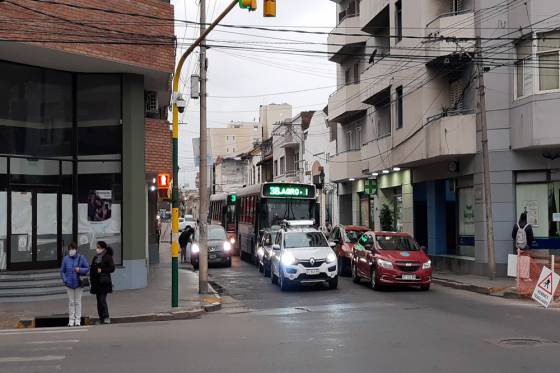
[{"x": 386, "y": 218}]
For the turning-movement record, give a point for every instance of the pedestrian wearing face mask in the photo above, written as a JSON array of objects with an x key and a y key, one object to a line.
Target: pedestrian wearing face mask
[
  {"x": 102, "y": 266},
  {"x": 73, "y": 267}
]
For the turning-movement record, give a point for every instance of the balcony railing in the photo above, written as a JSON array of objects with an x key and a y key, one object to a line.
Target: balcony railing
[
  {"x": 353, "y": 10},
  {"x": 449, "y": 113},
  {"x": 450, "y": 14}
]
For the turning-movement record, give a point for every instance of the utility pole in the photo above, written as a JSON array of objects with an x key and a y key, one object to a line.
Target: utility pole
[
  {"x": 486, "y": 167},
  {"x": 203, "y": 228}
]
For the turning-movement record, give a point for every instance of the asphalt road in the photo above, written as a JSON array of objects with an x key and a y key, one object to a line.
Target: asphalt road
[{"x": 350, "y": 329}]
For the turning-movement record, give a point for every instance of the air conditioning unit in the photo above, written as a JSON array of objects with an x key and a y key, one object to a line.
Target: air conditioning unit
[{"x": 151, "y": 102}]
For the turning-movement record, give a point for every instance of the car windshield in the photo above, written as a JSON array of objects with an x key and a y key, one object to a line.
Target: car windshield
[
  {"x": 215, "y": 234},
  {"x": 304, "y": 239},
  {"x": 353, "y": 236},
  {"x": 400, "y": 243}
]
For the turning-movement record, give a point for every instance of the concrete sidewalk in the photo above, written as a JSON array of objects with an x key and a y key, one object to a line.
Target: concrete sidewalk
[
  {"x": 500, "y": 287},
  {"x": 152, "y": 303}
]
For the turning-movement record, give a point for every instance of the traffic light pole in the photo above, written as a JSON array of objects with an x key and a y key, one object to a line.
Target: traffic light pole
[{"x": 175, "y": 210}]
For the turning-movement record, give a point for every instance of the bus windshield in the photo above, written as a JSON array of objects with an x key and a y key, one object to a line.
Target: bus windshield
[{"x": 290, "y": 209}]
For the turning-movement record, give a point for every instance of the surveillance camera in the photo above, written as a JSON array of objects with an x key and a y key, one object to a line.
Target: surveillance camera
[{"x": 181, "y": 103}]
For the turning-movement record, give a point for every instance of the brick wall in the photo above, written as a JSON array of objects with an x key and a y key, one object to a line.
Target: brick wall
[
  {"x": 121, "y": 38},
  {"x": 158, "y": 146}
]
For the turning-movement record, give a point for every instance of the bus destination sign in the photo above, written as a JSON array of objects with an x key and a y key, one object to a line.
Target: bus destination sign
[{"x": 289, "y": 190}]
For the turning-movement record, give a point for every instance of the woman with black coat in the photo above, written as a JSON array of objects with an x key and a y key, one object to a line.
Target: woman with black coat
[{"x": 101, "y": 284}]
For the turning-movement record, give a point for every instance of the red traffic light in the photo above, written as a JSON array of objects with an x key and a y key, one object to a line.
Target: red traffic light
[{"x": 163, "y": 181}]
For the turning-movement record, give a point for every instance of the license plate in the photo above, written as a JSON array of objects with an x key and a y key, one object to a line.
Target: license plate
[
  {"x": 313, "y": 271},
  {"x": 212, "y": 256},
  {"x": 409, "y": 277}
]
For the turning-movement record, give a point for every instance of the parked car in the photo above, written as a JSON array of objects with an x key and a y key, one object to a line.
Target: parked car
[
  {"x": 264, "y": 250},
  {"x": 344, "y": 238},
  {"x": 387, "y": 258},
  {"x": 302, "y": 255},
  {"x": 219, "y": 248}
]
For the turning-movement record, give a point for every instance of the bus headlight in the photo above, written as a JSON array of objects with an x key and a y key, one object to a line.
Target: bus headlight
[
  {"x": 232, "y": 240},
  {"x": 227, "y": 247},
  {"x": 195, "y": 249}
]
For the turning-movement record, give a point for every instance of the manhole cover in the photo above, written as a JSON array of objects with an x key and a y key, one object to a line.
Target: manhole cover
[{"x": 523, "y": 342}]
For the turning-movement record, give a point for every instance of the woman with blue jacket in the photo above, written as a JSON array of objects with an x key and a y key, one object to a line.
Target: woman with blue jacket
[{"x": 73, "y": 266}]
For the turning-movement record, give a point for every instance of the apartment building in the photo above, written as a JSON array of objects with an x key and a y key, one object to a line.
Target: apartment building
[
  {"x": 408, "y": 118},
  {"x": 83, "y": 131},
  {"x": 234, "y": 139}
]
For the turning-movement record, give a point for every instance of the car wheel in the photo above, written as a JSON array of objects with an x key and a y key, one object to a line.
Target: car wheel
[
  {"x": 425, "y": 287},
  {"x": 284, "y": 282},
  {"x": 273, "y": 278},
  {"x": 228, "y": 264},
  {"x": 355, "y": 276},
  {"x": 374, "y": 283},
  {"x": 333, "y": 284}
]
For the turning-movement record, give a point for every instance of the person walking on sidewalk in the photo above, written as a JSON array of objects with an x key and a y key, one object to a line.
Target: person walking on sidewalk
[
  {"x": 102, "y": 266},
  {"x": 522, "y": 234},
  {"x": 184, "y": 239},
  {"x": 73, "y": 266}
]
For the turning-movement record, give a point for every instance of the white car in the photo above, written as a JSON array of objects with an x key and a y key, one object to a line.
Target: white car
[
  {"x": 186, "y": 222},
  {"x": 302, "y": 255}
]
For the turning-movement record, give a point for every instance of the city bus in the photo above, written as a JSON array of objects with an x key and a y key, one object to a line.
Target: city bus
[
  {"x": 223, "y": 211},
  {"x": 264, "y": 206}
]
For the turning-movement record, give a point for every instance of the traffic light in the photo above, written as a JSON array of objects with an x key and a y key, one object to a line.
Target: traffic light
[
  {"x": 164, "y": 186},
  {"x": 269, "y": 8},
  {"x": 232, "y": 199},
  {"x": 250, "y": 5}
]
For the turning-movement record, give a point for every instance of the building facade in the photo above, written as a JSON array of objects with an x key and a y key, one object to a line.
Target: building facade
[
  {"x": 408, "y": 116},
  {"x": 81, "y": 113},
  {"x": 236, "y": 138}
]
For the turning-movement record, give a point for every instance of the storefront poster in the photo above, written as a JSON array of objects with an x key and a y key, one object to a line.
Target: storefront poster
[
  {"x": 99, "y": 205},
  {"x": 532, "y": 210},
  {"x": 466, "y": 212}
]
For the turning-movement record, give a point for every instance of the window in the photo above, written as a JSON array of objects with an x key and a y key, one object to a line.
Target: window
[
  {"x": 275, "y": 168},
  {"x": 347, "y": 74},
  {"x": 282, "y": 165},
  {"x": 548, "y": 49},
  {"x": 399, "y": 102},
  {"x": 349, "y": 140},
  {"x": 296, "y": 161},
  {"x": 358, "y": 138},
  {"x": 398, "y": 20},
  {"x": 456, "y": 6},
  {"x": 356, "y": 73}
]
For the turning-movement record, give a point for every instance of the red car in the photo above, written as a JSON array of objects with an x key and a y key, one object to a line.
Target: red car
[
  {"x": 388, "y": 258},
  {"x": 345, "y": 237}
]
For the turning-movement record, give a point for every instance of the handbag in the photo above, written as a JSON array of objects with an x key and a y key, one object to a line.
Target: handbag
[{"x": 84, "y": 281}]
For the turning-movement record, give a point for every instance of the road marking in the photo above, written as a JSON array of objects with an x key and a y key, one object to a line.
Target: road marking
[
  {"x": 59, "y": 348},
  {"x": 54, "y": 341},
  {"x": 20, "y": 359},
  {"x": 45, "y": 332}
]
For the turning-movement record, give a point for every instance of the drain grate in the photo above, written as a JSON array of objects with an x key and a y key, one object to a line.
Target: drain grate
[{"x": 524, "y": 342}]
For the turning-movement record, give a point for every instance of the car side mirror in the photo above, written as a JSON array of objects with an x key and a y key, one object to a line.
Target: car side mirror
[
  {"x": 332, "y": 244},
  {"x": 276, "y": 247}
]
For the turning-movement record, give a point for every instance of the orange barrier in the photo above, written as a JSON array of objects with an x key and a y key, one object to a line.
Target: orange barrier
[{"x": 529, "y": 268}]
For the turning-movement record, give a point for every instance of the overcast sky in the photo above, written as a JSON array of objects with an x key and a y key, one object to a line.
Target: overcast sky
[{"x": 233, "y": 72}]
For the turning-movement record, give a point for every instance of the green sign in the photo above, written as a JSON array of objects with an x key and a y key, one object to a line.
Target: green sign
[
  {"x": 370, "y": 187},
  {"x": 289, "y": 190}
]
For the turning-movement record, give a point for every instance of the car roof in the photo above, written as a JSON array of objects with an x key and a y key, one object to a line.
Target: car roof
[
  {"x": 300, "y": 229},
  {"x": 355, "y": 228}
]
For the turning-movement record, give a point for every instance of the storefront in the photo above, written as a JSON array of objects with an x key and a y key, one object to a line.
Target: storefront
[
  {"x": 538, "y": 195},
  {"x": 61, "y": 150}
]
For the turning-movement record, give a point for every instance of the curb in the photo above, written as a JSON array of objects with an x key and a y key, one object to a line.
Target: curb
[{"x": 502, "y": 292}]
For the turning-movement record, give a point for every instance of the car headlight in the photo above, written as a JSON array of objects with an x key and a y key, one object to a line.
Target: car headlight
[
  {"x": 195, "y": 249},
  {"x": 232, "y": 240},
  {"x": 331, "y": 258},
  {"x": 227, "y": 247},
  {"x": 427, "y": 265},
  {"x": 288, "y": 259},
  {"x": 384, "y": 264}
]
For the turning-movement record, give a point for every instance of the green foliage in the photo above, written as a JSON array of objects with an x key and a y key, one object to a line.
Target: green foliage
[{"x": 386, "y": 218}]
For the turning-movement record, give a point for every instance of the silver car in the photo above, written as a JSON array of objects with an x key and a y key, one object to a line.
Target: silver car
[{"x": 219, "y": 247}]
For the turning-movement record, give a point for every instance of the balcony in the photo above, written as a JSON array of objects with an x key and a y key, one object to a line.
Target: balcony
[
  {"x": 345, "y": 166},
  {"x": 341, "y": 46},
  {"x": 534, "y": 123},
  {"x": 345, "y": 103},
  {"x": 371, "y": 18},
  {"x": 375, "y": 79},
  {"x": 445, "y": 26}
]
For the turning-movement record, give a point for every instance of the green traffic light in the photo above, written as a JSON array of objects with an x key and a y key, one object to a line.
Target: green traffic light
[{"x": 233, "y": 198}]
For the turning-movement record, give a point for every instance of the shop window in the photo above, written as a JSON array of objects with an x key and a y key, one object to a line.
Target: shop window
[
  {"x": 99, "y": 114},
  {"x": 466, "y": 212},
  {"x": 99, "y": 207},
  {"x": 541, "y": 202}
]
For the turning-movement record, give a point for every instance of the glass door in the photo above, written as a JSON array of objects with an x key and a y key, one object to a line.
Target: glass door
[{"x": 34, "y": 225}]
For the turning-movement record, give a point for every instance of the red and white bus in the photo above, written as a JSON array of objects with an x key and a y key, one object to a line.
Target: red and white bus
[{"x": 223, "y": 211}]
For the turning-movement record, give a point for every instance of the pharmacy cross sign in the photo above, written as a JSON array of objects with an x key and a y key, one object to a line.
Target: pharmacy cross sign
[{"x": 370, "y": 187}]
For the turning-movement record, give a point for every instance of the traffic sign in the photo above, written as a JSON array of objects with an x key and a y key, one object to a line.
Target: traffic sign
[{"x": 546, "y": 286}]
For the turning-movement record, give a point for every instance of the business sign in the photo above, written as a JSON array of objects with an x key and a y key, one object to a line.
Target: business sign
[
  {"x": 546, "y": 286},
  {"x": 289, "y": 190},
  {"x": 370, "y": 187}
]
